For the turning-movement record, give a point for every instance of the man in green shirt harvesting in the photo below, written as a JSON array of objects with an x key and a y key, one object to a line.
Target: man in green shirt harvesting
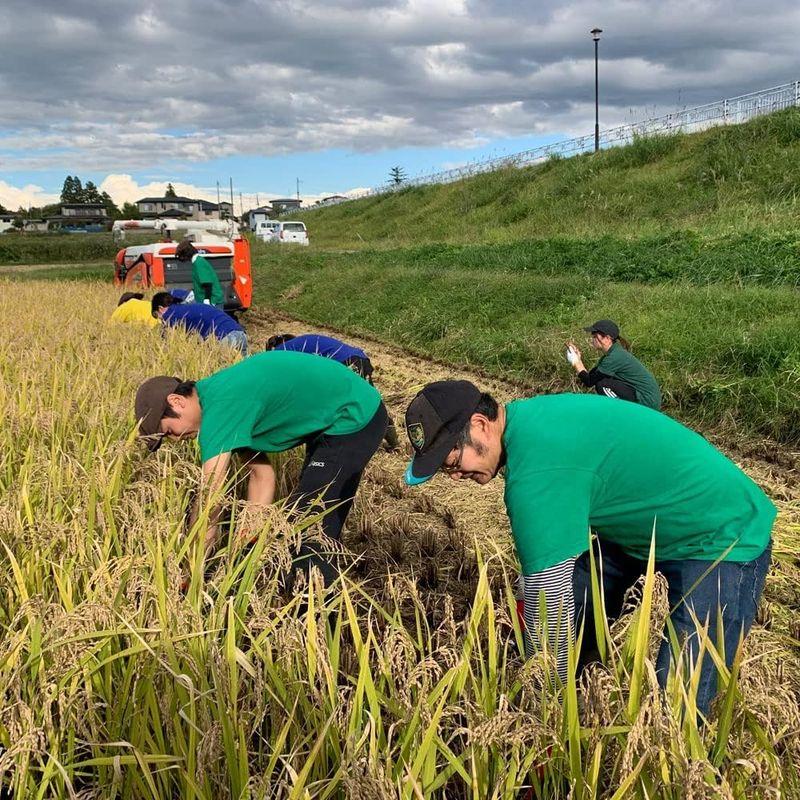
[
  {"x": 269, "y": 403},
  {"x": 579, "y": 462},
  {"x": 205, "y": 282},
  {"x": 618, "y": 373}
]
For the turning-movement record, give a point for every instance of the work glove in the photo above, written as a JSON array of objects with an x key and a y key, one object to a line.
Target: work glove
[{"x": 572, "y": 356}]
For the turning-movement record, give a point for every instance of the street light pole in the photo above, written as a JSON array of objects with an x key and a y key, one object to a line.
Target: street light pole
[{"x": 596, "y": 36}]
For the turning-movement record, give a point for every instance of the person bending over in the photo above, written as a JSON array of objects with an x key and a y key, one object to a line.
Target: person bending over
[
  {"x": 132, "y": 307},
  {"x": 575, "y": 463},
  {"x": 207, "y": 321},
  {"x": 328, "y": 347},
  {"x": 269, "y": 403}
]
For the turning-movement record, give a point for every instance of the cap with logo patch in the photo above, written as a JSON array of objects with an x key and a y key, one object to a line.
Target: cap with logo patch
[{"x": 434, "y": 420}]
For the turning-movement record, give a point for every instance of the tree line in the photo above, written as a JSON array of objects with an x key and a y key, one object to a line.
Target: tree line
[{"x": 75, "y": 191}]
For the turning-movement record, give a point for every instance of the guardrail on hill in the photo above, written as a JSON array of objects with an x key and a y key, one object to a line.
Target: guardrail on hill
[{"x": 722, "y": 112}]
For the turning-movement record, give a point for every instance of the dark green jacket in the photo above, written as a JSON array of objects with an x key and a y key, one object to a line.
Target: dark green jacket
[{"x": 619, "y": 363}]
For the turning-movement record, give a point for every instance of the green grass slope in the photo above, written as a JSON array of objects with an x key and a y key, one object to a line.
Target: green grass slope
[{"x": 717, "y": 182}]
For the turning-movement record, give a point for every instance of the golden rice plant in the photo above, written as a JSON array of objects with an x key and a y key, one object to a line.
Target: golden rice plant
[{"x": 116, "y": 684}]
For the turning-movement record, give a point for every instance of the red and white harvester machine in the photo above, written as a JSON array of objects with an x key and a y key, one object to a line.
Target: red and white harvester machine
[{"x": 146, "y": 266}]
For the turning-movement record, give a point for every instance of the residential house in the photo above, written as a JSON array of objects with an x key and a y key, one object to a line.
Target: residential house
[
  {"x": 208, "y": 210},
  {"x": 35, "y": 226},
  {"x": 284, "y": 204},
  {"x": 152, "y": 207},
  {"x": 6, "y": 222},
  {"x": 89, "y": 217},
  {"x": 256, "y": 215},
  {"x": 182, "y": 208}
]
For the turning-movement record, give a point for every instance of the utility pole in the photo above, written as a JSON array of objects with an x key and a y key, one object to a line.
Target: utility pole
[
  {"x": 596, "y": 37},
  {"x": 241, "y": 205},
  {"x": 233, "y": 210},
  {"x": 298, "y": 188},
  {"x": 219, "y": 210}
]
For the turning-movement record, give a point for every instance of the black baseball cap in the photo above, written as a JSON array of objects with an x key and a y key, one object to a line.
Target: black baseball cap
[
  {"x": 151, "y": 403},
  {"x": 604, "y": 326},
  {"x": 434, "y": 420}
]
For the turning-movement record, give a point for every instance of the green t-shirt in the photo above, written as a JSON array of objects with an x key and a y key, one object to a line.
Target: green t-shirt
[
  {"x": 203, "y": 272},
  {"x": 619, "y": 363},
  {"x": 274, "y": 401},
  {"x": 580, "y": 461}
]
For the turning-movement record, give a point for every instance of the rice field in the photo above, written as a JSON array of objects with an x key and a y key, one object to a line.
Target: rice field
[{"x": 405, "y": 682}]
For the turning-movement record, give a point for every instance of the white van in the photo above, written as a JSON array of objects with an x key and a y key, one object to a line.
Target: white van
[
  {"x": 268, "y": 230},
  {"x": 293, "y": 233}
]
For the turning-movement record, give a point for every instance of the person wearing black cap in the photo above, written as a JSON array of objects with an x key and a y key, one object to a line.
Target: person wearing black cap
[
  {"x": 269, "y": 403},
  {"x": 578, "y": 463},
  {"x": 618, "y": 373}
]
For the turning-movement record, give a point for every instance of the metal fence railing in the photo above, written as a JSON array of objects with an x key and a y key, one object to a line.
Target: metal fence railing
[{"x": 722, "y": 112}]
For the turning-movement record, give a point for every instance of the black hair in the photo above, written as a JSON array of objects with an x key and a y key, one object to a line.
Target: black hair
[
  {"x": 161, "y": 299},
  {"x": 278, "y": 339},
  {"x": 184, "y": 389},
  {"x": 185, "y": 250},
  {"x": 130, "y": 296},
  {"x": 487, "y": 406}
]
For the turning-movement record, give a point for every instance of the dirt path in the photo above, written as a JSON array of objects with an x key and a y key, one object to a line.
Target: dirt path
[{"x": 430, "y": 532}]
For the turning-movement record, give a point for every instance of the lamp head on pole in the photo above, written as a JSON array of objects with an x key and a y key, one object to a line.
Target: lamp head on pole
[{"x": 596, "y": 33}]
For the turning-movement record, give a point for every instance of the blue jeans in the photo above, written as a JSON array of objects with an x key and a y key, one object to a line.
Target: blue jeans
[
  {"x": 237, "y": 340},
  {"x": 734, "y": 587}
]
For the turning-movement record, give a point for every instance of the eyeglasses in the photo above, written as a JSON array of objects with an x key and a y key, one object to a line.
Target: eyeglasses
[{"x": 450, "y": 469}]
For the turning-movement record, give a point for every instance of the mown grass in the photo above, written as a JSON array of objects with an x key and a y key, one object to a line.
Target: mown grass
[
  {"x": 114, "y": 683},
  {"x": 726, "y": 354},
  {"x": 722, "y": 181}
]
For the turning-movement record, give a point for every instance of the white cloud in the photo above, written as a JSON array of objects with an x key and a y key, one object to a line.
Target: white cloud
[{"x": 14, "y": 197}]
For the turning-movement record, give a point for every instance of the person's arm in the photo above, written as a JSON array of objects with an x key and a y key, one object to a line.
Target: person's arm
[
  {"x": 261, "y": 483},
  {"x": 550, "y": 591},
  {"x": 215, "y": 471},
  {"x": 590, "y": 378}
]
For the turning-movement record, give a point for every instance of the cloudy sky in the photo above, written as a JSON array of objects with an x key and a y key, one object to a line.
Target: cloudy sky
[{"x": 335, "y": 92}]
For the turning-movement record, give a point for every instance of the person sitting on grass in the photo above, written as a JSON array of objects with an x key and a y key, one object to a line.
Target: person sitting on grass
[
  {"x": 269, "y": 403},
  {"x": 575, "y": 464},
  {"x": 205, "y": 282},
  {"x": 132, "y": 307},
  {"x": 202, "y": 319},
  {"x": 618, "y": 373},
  {"x": 326, "y": 346}
]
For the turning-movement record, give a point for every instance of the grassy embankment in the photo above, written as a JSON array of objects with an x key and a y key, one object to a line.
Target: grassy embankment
[{"x": 689, "y": 242}]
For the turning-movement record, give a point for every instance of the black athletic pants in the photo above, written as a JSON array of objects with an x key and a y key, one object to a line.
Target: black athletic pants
[
  {"x": 607, "y": 385},
  {"x": 330, "y": 477}
]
